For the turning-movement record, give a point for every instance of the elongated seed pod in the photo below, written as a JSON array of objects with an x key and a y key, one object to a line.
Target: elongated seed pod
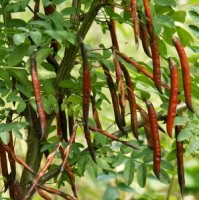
[
  {"x": 112, "y": 30},
  {"x": 4, "y": 166},
  {"x": 185, "y": 72},
  {"x": 154, "y": 47},
  {"x": 86, "y": 99},
  {"x": 95, "y": 113},
  {"x": 121, "y": 90},
  {"x": 38, "y": 100},
  {"x": 134, "y": 17},
  {"x": 114, "y": 98},
  {"x": 173, "y": 100},
  {"x": 43, "y": 194},
  {"x": 36, "y": 9},
  {"x": 69, "y": 172},
  {"x": 144, "y": 36},
  {"x": 122, "y": 99},
  {"x": 132, "y": 101},
  {"x": 180, "y": 162},
  {"x": 140, "y": 68},
  {"x": 147, "y": 127},
  {"x": 156, "y": 140},
  {"x": 71, "y": 123}
]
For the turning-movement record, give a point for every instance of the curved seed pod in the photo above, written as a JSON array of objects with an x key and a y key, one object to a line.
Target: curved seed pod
[
  {"x": 180, "y": 162},
  {"x": 71, "y": 123},
  {"x": 147, "y": 127},
  {"x": 69, "y": 172},
  {"x": 62, "y": 120},
  {"x": 112, "y": 30},
  {"x": 49, "y": 9},
  {"x": 134, "y": 17},
  {"x": 173, "y": 100},
  {"x": 121, "y": 90},
  {"x": 185, "y": 72},
  {"x": 36, "y": 9},
  {"x": 144, "y": 36},
  {"x": 140, "y": 68},
  {"x": 86, "y": 100},
  {"x": 156, "y": 140},
  {"x": 122, "y": 99},
  {"x": 4, "y": 166},
  {"x": 132, "y": 101},
  {"x": 95, "y": 113},
  {"x": 154, "y": 47},
  {"x": 36, "y": 87},
  {"x": 43, "y": 194},
  {"x": 114, "y": 98}
]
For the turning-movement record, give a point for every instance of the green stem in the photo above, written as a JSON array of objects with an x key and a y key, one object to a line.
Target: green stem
[{"x": 71, "y": 52}]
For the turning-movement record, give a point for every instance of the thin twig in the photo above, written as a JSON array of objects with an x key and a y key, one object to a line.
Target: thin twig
[{"x": 42, "y": 171}]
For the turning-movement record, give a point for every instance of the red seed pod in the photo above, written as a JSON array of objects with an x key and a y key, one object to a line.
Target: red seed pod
[
  {"x": 37, "y": 92},
  {"x": 185, "y": 72},
  {"x": 173, "y": 100},
  {"x": 180, "y": 162},
  {"x": 147, "y": 127},
  {"x": 144, "y": 36},
  {"x": 36, "y": 9},
  {"x": 156, "y": 140},
  {"x": 134, "y": 17},
  {"x": 110, "y": 83},
  {"x": 95, "y": 113},
  {"x": 121, "y": 90},
  {"x": 86, "y": 99},
  {"x": 154, "y": 47},
  {"x": 132, "y": 101}
]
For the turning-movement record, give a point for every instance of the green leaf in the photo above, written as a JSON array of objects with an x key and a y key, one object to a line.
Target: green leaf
[
  {"x": 193, "y": 145},
  {"x": 148, "y": 156},
  {"x": 5, "y": 137},
  {"x": 128, "y": 173},
  {"x": 67, "y": 83},
  {"x": 102, "y": 163},
  {"x": 111, "y": 193},
  {"x": 185, "y": 134},
  {"x": 179, "y": 16},
  {"x": 21, "y": 106},
  {"x": 36, "y": 37},
  {"x": 118, "y": 160},
  {"x": 167, "y": 165},
  {"x": 20, "y": 75},
  {"x": 194, "y": 14},
  {"x": 141, "y": 175},
  {"x": 69, "y": 11},
  {"x": 165, "y": 3},
  {"x": 2, "y": 103},
  {"x": 162, "y": 48},
  {"x": 180, "y": 120},
  {"x": 184, "y": 36},
  {"x": 194, "y": 30},
  {"x": 92, "y": 169},
  {"x": 3, "y": 53},
  {"x": 162, "y": 20},
  {"x": 69, "y": 36},
  {"x": 164, "y": 177},
  {"x": 19, "y": 38},
  {"x": 17, "y": 55},
  {"x": 82, "y": 162},
  {"x": 42, "y": 55},
  {"x": 6, "y": 77}
]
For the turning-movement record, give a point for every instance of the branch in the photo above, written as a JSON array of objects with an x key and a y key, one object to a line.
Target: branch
[
  {"x": 181, "y": 107},
  {"x": 70, "y": 53}
]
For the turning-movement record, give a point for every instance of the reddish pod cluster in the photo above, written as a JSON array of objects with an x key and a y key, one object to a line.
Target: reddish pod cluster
[{"x": 149, "y": 41}]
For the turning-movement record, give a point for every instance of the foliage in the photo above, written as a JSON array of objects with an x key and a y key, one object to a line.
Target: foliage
[{"x": 54, "y": 30}]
